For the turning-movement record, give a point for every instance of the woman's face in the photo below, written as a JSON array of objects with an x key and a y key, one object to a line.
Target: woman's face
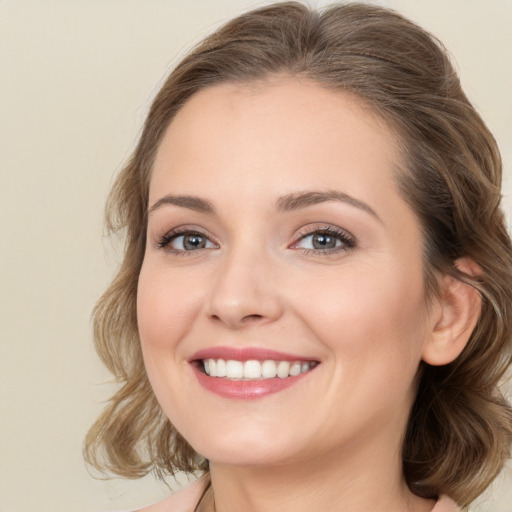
[{"x": 278, "y": 242}]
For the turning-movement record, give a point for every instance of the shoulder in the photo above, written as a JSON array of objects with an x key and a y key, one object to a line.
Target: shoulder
[
  {"x": 184, "y": 500},
  {"x": 445, "y": 504}
]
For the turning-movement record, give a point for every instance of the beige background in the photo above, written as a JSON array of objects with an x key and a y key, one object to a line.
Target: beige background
[{"x": 76, "y": 78}]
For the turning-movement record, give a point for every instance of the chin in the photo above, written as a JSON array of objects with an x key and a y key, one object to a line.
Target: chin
[{"x": 245, "y": 449}]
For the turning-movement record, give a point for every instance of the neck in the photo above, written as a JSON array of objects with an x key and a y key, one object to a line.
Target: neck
[{"x": 337, "y": 481}]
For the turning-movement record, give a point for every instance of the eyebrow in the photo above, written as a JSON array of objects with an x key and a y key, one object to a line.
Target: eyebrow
[
  {"x": 301, "y": 200},
  {"x": 286, "y": 203},
  {"x": 191, "y": 202}
]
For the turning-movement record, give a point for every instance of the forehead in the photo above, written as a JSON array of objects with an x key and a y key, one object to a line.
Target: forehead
[
  {"x": 280, "y": 133},
  {"x": 298, "y": 103}
]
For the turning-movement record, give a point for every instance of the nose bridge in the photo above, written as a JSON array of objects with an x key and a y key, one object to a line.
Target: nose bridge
[{"x": 244, "y": 291}]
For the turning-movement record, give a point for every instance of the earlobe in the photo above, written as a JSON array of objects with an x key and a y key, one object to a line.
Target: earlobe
[{"x": 458, "y": 313}]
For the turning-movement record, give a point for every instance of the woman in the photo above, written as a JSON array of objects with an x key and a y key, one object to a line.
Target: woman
[{"x": 314, "y": 304}]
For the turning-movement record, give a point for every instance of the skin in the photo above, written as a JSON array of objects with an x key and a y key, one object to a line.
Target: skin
[{"x": 332, "y": 441}]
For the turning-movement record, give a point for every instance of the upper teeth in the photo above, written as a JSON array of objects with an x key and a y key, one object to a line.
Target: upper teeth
[{"x": 253, "y": 369}]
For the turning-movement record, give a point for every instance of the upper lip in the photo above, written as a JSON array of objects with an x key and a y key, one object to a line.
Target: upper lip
[{"x": 246, "y": 354}]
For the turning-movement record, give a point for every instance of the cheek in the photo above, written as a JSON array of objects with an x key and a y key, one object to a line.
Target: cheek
[
  {"x": 165, "y": 309},
  {"x": 373, "y": 322}
]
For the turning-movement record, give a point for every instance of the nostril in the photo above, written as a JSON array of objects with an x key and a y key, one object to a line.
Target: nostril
[
  {"x": 251, "y": 318},
  {"x": 244, "y": 310},
  {"x": 234, "y": 323}
]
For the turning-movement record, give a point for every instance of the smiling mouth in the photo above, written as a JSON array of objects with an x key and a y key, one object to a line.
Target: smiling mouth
[{"x": 252, "y": 369}]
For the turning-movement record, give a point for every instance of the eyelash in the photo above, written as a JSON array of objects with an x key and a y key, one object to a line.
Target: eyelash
[
  {"x": 348, "y": 242},
  {"x": 169, "y": 237}
]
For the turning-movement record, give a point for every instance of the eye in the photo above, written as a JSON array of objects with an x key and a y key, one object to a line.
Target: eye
[
  {"x": 185, "y": 241},
  {"x": 325, "y": 240},
  {"x": 319, "y": 241}
]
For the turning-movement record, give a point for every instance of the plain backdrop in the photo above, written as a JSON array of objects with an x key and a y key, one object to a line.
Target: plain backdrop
[{"x": 76, "y": 79}]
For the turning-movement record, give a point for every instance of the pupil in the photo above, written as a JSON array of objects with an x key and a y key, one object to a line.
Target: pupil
[
  {"x": 194, "y": 242},
  {"x": 324, "y": 242}
]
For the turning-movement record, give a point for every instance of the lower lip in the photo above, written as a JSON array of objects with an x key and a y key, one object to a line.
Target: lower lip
[{"x": 245, "y": 389}]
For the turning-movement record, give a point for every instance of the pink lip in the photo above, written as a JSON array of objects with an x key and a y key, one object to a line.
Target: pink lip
[
  {"x": 246, "y": 354},
  {"x": 244, "y": 389}
]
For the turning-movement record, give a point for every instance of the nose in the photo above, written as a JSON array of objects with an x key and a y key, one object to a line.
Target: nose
[{"x": 245, "y": 291}]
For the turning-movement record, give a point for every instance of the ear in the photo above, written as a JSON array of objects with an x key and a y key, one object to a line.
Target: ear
[{"x": 455, "y": 317}]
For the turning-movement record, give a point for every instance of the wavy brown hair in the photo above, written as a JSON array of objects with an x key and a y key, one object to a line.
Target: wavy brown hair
[{"x": 460, "y": 428}]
